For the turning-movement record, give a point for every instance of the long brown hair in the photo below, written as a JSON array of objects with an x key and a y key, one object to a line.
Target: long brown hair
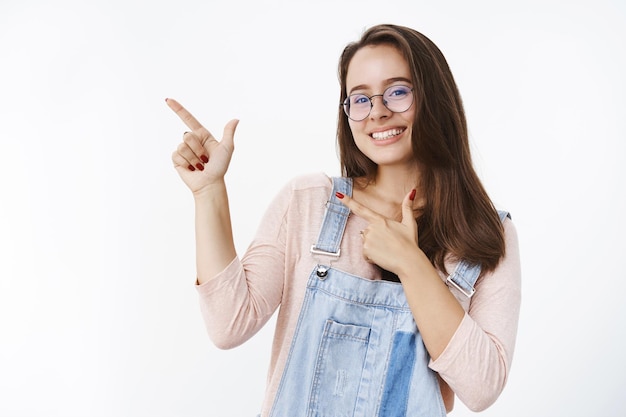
[{"x": 458, "y": 217}]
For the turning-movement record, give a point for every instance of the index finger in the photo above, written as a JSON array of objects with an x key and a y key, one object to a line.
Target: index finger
[
  {"x": 359, "y": 209},
  {"x": 187, "y": 118}
]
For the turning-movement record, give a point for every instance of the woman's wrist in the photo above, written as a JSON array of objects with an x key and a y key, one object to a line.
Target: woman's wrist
[
  {"x": 210, "y": 191},
  {"x": 415, "y": 264}
]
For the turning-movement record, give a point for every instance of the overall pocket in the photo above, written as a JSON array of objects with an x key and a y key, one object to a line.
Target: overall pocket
[{"x": 338, "y": 369}]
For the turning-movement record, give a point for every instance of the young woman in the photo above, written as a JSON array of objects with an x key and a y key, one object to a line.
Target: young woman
[{"x": 399, "y": 282}]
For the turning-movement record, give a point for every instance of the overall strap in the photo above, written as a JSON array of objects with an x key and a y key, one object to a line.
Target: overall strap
[
  {"x": 335, "y": 219},
  {"x": 465, "y": 275}
]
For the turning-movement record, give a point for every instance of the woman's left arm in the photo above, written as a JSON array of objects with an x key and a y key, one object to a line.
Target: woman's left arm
[
  {"x": 471, "y": 350},
  {"x": 393, "y": 246},
  {"x": 477, "y": 360}
]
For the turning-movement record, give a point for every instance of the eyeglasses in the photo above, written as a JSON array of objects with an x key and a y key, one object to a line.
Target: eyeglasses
[{"x": 397, "y": 98}]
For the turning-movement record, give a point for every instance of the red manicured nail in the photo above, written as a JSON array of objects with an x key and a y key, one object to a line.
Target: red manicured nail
[
  {"x": 166, "y": 100},
  {"x": 200, "y": 166},
  {"x": 191, "y": 168},
  {"x": 204, "y": 158},
  {"x": 412, "y": 196},
  {"x": 339, "y": 195}
]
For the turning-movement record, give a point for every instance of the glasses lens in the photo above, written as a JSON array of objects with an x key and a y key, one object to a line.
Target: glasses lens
[
  {"x": 357, "y": 106},
  {"x": 398, "y": 98}
]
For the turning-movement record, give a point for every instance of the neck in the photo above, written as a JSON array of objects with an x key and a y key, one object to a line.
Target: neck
[
  {"x": 394, "y": 183},
  {"x": 387, "y": 191}
]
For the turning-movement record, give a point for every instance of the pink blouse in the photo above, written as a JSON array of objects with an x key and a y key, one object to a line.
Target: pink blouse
[{"x": 275, "y": 268}]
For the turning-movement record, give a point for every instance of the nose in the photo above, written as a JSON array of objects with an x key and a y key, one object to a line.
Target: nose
[{"x": 378, "y": 107}]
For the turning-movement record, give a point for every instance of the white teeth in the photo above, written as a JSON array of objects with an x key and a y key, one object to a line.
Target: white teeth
[{"x": 386, "y": 134}]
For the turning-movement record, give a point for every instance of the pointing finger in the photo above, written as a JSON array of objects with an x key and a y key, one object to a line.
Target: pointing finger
[
  {"x": 358, "y": 208},
  {"x": 187, "y": 118}
]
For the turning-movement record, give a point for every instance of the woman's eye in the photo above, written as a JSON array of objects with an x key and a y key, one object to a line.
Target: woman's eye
[
  {"x": 398, "y": 92},
  {"x": 360, "y": 99}
]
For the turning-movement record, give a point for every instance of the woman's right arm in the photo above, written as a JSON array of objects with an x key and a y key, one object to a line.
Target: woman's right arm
[
  {"x": 202, "y": 162},
  {"x": 236, "y": 299}
]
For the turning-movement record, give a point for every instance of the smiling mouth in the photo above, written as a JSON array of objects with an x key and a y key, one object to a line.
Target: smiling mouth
[{"x": 386, "y": 134}]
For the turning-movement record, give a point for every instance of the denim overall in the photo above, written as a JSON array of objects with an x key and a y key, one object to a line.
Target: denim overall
[{"x": 356, "y": 350}]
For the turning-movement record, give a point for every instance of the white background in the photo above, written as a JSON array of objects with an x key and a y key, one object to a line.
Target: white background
[{"x": 98, "y": 314}]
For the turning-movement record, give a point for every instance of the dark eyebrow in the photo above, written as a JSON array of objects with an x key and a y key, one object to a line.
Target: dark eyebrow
[{"x": 387, "y": 82}]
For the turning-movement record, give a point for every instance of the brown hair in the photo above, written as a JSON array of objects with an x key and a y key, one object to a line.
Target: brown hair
[{"x": 458, "y": 218}]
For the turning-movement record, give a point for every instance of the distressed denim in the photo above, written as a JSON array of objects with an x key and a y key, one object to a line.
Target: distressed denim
[{"x": 357, "y": 352}]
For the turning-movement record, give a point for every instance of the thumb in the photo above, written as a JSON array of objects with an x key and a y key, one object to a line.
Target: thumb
[
  {"x": 408, "y": 219},
  {"x": 228, "y": 138}
]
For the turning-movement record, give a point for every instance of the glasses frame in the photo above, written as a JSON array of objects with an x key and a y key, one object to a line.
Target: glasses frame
[{"x": 345, "y": 103}]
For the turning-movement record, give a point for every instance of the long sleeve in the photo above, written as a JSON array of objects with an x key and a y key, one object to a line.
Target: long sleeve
[
  {"x": 477, "y": 360},
  {"x": 275, "y": 268},
  {"x": 237, "y": 302}
]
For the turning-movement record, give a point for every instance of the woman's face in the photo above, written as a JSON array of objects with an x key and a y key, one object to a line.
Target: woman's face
[{"x": 383, "y": 136}]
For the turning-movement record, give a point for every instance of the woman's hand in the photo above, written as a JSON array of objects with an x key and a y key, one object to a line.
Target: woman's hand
[
  {"x": 201, "y": 161},
  {"x": 386, "y": 242},
  {"x": 394, "y": 246}
]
